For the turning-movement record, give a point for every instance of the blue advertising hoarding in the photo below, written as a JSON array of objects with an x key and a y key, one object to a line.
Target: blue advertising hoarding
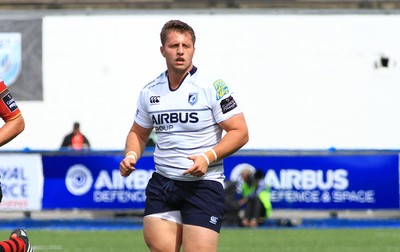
[
  {"x": 326, "y": 181},
  {"x": 296, "y": 181},
  {"x": 93, "y": 182}
]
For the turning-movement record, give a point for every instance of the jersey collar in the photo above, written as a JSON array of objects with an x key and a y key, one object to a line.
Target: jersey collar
[{"x": 191, "y": 72}]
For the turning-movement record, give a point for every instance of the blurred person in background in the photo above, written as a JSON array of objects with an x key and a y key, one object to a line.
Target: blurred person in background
[
  {"x": 255, "y": 198},
  {"x": 14, "y": 125},
  {"x": 75, "y": 140}
]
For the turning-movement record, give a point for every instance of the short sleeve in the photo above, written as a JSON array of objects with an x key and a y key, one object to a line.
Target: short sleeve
[
  {"x": 8, "y": 107},
  {"x": 142, "y": 117},
  {"x": 223, "y": 100}
]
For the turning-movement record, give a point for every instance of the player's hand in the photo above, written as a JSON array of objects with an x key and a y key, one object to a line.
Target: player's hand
[
  {"x": 127, "y": 166},
  {"x": 199, "y": 167}
]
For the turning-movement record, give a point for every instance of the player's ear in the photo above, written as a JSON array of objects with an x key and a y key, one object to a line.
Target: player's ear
[{"x": 162, "y": 51}]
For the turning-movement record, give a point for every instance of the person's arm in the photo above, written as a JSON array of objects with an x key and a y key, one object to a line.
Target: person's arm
[
  {"x": 134, "y": 148},
  {"x": 66, "y": 143},
  {"x": 236, "y": 137},
  {"x": 242, "y": 201},
  {"x": 86, "y": 143},
  {"x": 11, "y": 129}
]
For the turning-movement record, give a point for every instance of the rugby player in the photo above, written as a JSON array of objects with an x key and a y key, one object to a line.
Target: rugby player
[
  {"x": 190, "y": 112},
  {"x": 14, "y": 125},
  {"x": 11, "y": 115}
]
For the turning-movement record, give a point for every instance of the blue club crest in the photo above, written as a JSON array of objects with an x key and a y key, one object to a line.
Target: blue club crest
[{"x": 192, "y": 98}]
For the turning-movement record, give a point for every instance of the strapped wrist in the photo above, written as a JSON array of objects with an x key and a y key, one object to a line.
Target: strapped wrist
[
  {"x": 206, "y": 158},
  {"x": 215, "y": 155},
  {"x": 212, "y": 158},
  {"x": 131, "y": 154}
]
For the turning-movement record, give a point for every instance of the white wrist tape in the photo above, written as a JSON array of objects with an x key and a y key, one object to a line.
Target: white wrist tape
[
  {"x": 215, "y": 155},
  {"x": 131, "y": 154},
  {"x": 206, "y": 158}
]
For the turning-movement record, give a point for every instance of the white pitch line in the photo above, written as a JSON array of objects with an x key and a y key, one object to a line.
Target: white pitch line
[{"x": 59, "y": 247}]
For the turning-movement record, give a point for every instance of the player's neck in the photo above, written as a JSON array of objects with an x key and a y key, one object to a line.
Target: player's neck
[{"x": 175, "y": 78}]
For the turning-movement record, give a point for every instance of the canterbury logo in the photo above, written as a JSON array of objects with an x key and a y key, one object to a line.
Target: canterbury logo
[
  {"x": 154, "y": 99},
  {"x": 213, "y": 220}
]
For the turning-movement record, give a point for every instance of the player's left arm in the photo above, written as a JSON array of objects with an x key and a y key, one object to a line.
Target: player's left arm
[
  {"x": 237, "y": 135},
  {"x": 11, "y": 129}
]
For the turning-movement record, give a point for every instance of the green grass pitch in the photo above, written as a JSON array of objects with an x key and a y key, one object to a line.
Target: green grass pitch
[{"x": 231, "y": 240}]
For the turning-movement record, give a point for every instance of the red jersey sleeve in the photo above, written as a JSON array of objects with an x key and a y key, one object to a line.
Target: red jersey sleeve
[{"x": 8, "y": 107}]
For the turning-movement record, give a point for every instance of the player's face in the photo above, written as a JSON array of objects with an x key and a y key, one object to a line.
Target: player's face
[{"x": 178, "y": 51}]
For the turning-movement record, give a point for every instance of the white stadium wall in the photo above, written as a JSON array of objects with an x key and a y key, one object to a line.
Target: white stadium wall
[{"x": 305, "y": 81}]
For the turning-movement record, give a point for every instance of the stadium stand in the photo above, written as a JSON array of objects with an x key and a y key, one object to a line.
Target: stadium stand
[{"x": 195, "y": 4}]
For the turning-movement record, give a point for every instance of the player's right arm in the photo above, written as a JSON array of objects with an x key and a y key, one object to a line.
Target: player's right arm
[{"x": 134, "y": 148}]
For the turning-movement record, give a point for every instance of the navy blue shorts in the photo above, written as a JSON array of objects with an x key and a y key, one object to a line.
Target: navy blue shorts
[{"x": 201, "y": 203}]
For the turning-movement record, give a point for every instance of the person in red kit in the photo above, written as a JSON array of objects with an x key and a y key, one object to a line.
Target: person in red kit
[
  {"x": 11, "y": 115},
  {"x": 75, "y": 140},
  {"x": 13, "y": 125}
]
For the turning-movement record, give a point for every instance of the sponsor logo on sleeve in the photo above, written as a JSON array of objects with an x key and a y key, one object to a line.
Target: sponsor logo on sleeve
[
  {"x": 228, "y": 104},
  {"x": 10, "y": 102},
  {"x": 221, "y": 88}
]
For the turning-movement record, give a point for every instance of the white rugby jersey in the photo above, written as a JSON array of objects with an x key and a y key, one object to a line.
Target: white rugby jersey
[{"x": 186, "y": 121}]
